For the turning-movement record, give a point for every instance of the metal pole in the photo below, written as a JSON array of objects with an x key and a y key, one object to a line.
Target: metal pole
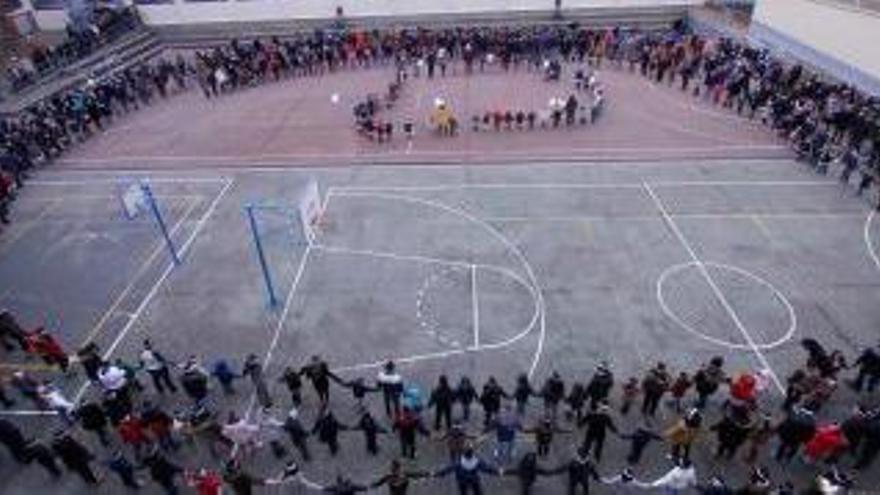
[
  {"x": 258, "y": 244},
  {"x": 148, "y": 194}
]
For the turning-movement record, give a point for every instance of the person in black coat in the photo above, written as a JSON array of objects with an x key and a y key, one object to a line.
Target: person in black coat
[
  {"x": 522, "y": 393},
  {"x": 600, "y": 385},
  {"x": 319, "y": 374},
  {"x": 372, "y": 430},
  {"x": 465, "y": 394},
  {"x": 92, "y": 418},
  {"x": 43, "y": 455},
  {"x": 598, "y": 423},
  {"x": 163, "y": 471},
  {"x": 297, "y": 433},
  {"x": 327, "y": 428},
  {"x": 639, "y": 440},
  {"x": 527, "y": 472},
  {"x": 13, "y": 439},
  {"x": 580, "y": 470},
  {"x": 291, "y": 379},
  {"x": 869, "y": 370},
  {"x": 75, "y": 456},
  {"x": 553, "y": 393},
  {"x": 797, "y": 428},
  {"x": 490, "y": 399},
  {"x": 441, "y": 399}
]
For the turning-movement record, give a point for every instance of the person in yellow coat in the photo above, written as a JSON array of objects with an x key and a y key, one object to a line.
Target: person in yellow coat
[{"x": 441, "y": 117}]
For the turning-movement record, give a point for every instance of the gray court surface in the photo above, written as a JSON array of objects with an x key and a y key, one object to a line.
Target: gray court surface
[{"x": 493, "y": 270}]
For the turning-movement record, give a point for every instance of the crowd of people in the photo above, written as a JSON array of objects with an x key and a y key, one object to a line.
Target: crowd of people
[
  {"x": 825, "y": 120},
  {"x": 79, "y": 42},
  {"x": 43, "y": 131},
  {"x": 734, "y": 413}
]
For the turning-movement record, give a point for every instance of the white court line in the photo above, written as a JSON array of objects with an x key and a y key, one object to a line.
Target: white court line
[
  {"x": 869, "y": 243},
  {"x": 161, "y": 280},
  {"x": 533, "y": 282},
  {"x": 157, "y": 180},
  {"x": 715, "y": 289},
  {"x": 160, "y": 248},
  {"x": 282, "y": 167},
  {"x": 108, "y": 197},
  {"x": 324, "y": 156},
  {"x": 587, "y": 185},
  {"x": 688, "y": 216},
  {"x": 475, "y": 304}
]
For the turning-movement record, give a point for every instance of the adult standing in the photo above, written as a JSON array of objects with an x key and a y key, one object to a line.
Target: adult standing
[
  {"x": 598, "y": 423},
  {"x": 13, "y": 439},
  {"x": 442, "y": 398},
  {"x": 391, "y": 384},
  {"x": 163, "y": 471},
  {"x": 157, "y": 367},
  {"x": 253, "y": 368},
  {"x": 75, "y": 456},
  {"x": 38, "y": 451},
  {"x": 92, "y": 418},
  {"x": 467, "y": 471}
]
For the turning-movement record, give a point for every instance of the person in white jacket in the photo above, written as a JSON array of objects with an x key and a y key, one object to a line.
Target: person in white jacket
[{"x": 679, "y": 479}]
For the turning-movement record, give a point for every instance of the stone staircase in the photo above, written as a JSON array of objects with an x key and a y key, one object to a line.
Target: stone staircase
[
  {"x": 131, "y": 49},
  {"x": 194, "y": 36}
]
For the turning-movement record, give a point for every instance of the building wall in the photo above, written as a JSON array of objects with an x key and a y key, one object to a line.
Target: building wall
[
  {"x": 843, "y": 41},
  {"x": 200, "y": 12}
]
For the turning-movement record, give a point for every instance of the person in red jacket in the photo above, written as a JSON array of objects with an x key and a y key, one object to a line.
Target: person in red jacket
[
  {"x": 43, "y": 344},
  {"x": 827, "y": 443},
  {"x": 205, "y": 482},
  {"x": 133, "y": 432}
]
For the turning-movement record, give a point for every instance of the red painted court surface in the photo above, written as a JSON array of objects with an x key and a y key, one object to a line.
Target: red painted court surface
[{"x": 295, "y": 121}]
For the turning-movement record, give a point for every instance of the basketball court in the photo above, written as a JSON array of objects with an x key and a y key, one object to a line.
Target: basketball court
[{"x": 453, "y": 269}]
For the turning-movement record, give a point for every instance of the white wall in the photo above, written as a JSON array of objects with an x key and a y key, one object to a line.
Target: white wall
[
  {"x": 182, "y": 12},
  {"x": 845, "y": 42}
]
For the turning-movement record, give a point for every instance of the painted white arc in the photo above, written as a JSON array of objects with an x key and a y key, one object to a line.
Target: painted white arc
[{"x": 762, "y": 359}]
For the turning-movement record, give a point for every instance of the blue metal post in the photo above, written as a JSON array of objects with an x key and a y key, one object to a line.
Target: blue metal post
[
  {"x": 258, "y": 244},
  {"x": 148, "y": 194}
]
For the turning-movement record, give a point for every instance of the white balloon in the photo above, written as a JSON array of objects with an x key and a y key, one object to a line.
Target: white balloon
[{"x": 334, "y": 98}]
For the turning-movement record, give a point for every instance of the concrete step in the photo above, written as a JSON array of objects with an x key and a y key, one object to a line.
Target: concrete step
[
  {"x": 191, "y": 36},
  {"x": 128, "y": 52}
]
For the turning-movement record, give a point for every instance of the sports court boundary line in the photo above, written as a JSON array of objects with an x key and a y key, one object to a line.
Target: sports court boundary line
[
  {"x": 670, "y": 222},
  {"x": 584, "y": 185},
  {"x": 161, "y": 280},
  {"x": 869, "y": 242},
  {"x": 475, "y": 305},
  {"x": 159, "y": 248},
  {"x": 319, "y": 162}
]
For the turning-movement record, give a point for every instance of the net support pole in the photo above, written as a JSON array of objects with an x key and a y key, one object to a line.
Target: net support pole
[
  {"x": 148, "y": 195},
  {"x": 261, "y": 256}
]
